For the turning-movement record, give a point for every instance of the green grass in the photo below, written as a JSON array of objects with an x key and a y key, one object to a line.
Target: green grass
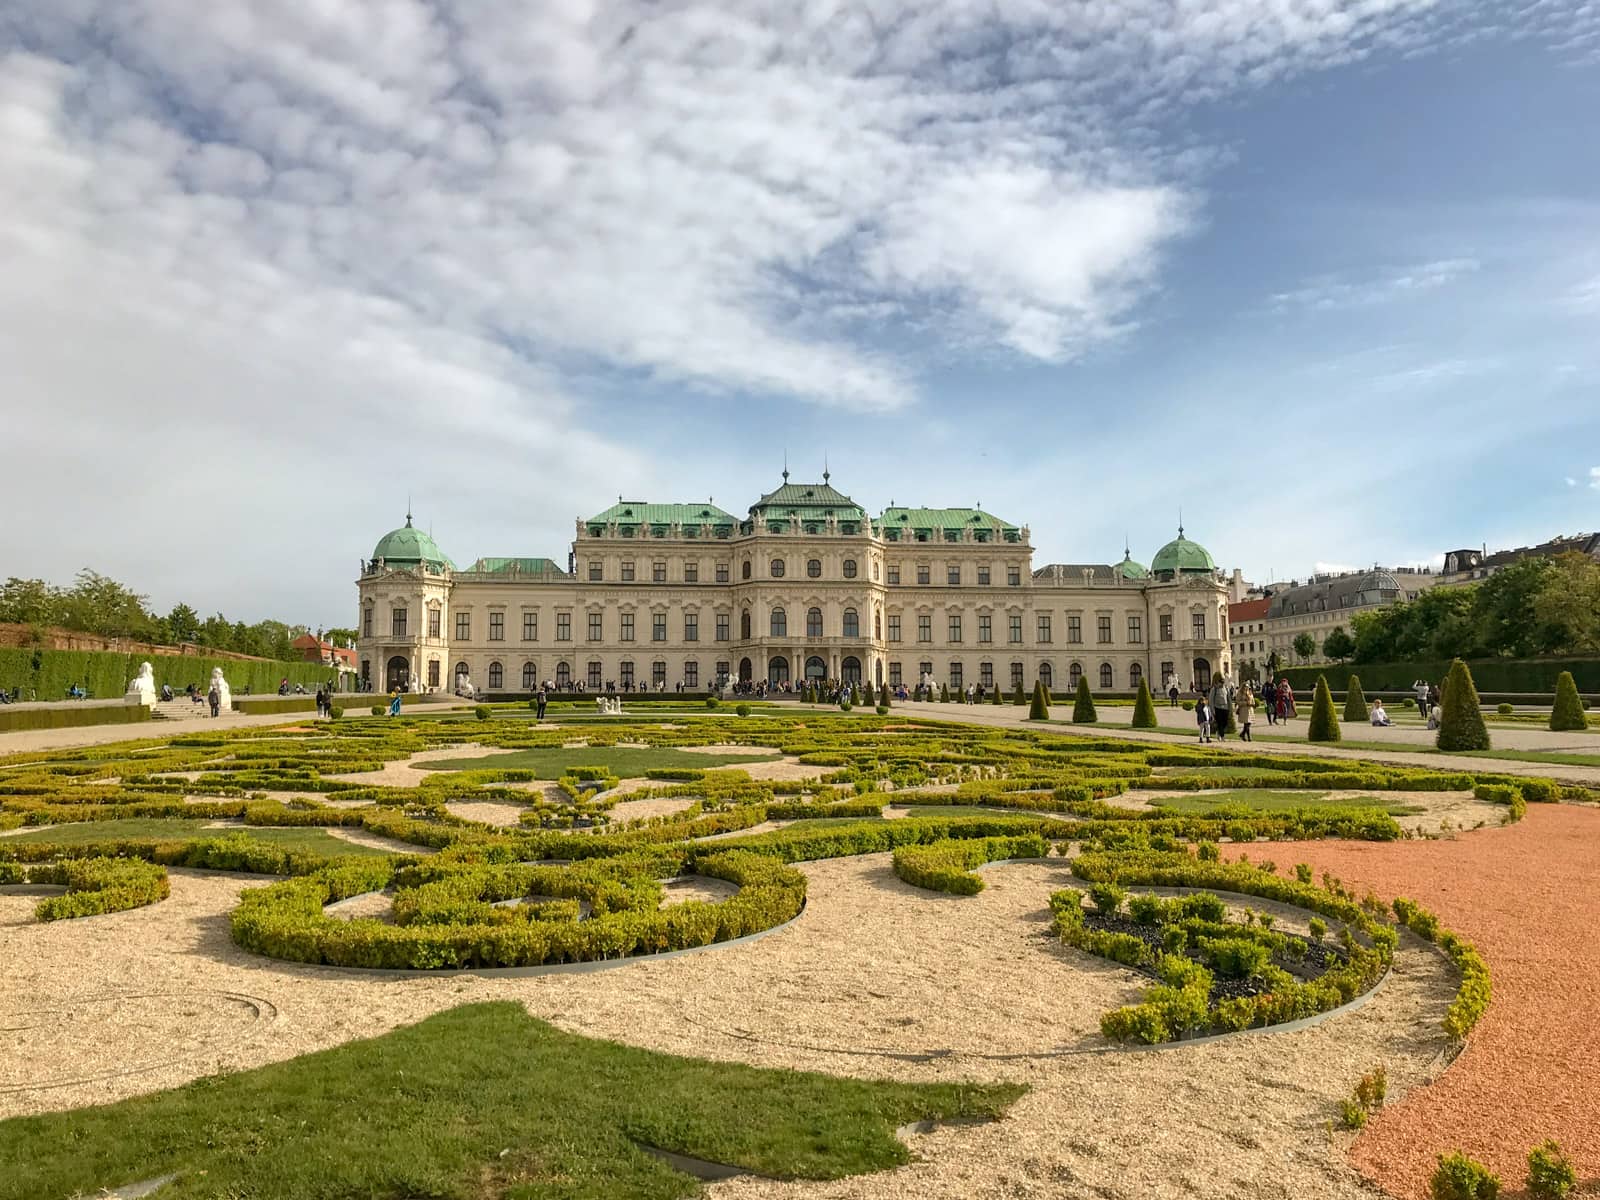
[
  {"x": 1539, "y": 756},
  {"x": 552, "y": 762},
  {"x": 477, "y": 1102},
  {"x": 973, "y": 810},
  {"x": 301, "y": 839},
  {"x": 1224, "y": 769},
  {"x": 1259, "y": 800}
]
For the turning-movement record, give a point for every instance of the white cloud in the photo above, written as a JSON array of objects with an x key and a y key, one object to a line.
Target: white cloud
[
  {"x": 1332, "y": 292},
  {"x": 1594, "y": 478}
]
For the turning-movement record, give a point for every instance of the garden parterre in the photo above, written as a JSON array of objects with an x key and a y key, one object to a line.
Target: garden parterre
[{"x": 585, "y": 886}]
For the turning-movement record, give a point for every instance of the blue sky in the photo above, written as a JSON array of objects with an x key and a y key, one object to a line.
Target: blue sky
[{"x": 1327, "y": 277}]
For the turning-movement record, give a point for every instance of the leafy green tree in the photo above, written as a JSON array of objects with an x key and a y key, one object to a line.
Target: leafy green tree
[
  {"x": 1338, "y": 645},
  {"x": 1503, "y": 613},
  {"x": 1249, "y": 673},
  {"x": 1304, "y": 646},
  {"x": 1355, "y": 701},
  {"x": 1324, "y": 723},
  {"x": 183, "y": 623},
  {"x": 1144, "y": 707},
  {"x": 1461, "y": 724},
  {"x": 1039, "y": 710},
  {"x": 1569, "y": 603},
  {"x": 339, "y": 636},
  {"x": 30, "y": 602},
  {"x": 99, "y": 604},
  {"x": 1567, "y": 713},
  {"x": 1083, "y": 712}
]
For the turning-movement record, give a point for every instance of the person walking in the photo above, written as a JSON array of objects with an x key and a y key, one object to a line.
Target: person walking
[
  {"x": 1221, "y": 697},
  {"x": 214, "y": 698},
  {"x": 321, "y": 700},
  {"x": 1269, "y": 701},
  {"x": 1172, "y": 693},
  {"x": 539, "y": 703},
  {"x": 1202, "y": 717},
  {"x": 1245, "y": 707}
]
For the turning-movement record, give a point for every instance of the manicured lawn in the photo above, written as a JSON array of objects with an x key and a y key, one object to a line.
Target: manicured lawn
[
  {"x": 624, "y": 762},
  {"x": 1540, "y": 756},
  {"x": 304, "y": 840},
  {"x": 1269, "y": 801},
  {"x": 1222, "y": 769},
  {"x": 477, "y": 1102}
]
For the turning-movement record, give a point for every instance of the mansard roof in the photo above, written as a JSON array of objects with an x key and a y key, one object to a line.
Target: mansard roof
[
  {"x": 938, "y": 524},
  {"x": 808, "y": 502},
  {"x": 539, "y": 568},
  {"x": 642, "y": 512}
]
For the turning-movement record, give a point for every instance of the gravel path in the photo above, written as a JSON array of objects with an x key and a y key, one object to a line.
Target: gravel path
[{"x": 1528, "y": 896}]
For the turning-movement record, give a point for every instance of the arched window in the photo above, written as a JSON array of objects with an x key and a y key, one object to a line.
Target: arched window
[
  {"x": 745, "y": 569},
  {"x": 1135, "y": 674},
  {"x": 461, "y": 671},
  {"x": 496, "y": 676},
  {"x": 852, "y": 623},
  {"x": 849, "y": 568},
  {"x": 850, "y": 668},
  {"x": 1047, "y": 676},
  {"x": 1106, "y": 675},
  {"x": 1074, "y": 673},
  {"x": 744, "y": 624},
  {"x": 563, "y": 674},
  {"x": 813, "y": 622},
  {"x": 530, "y": 677},
  {"x": 877, "y": 624},
  {"x": 814, "y": 568},
  {"x": 777, "y": 568},
  {"x": 780, "y": 623}
]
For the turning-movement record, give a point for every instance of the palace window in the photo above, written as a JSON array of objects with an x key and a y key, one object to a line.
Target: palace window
[
  {"x": 1044, "y": 628},
  {"x": 1106, "y": 675},
  {"x": 398, "y": 619},
  {"x": 1135, "y": 631},
  {"x": 530, "y": 677},
  {"x": 814, "y": 568},
  {"x": 658, "y": 673},
  {"x": 985, "y": 628},
  {"x": 894, "y": 674},
  {"x": 924, "y": 629},
  {"x": 625, "y": 674},
  {"x": 1103, "y": 630},
  {"x": 530, "y": 627},
  {"x": 722, "y": 572},
  {"x": 497, "y": 627},
  {"x": 691, "y": 572},
  {"x": 1199, "y": 620},
  {"x": 1047, "y": 676},
  {"x": 983, "y": 581},
  {"x": 1013, "y": 576},
  {"x": 877, "y": 625},
  {"x": 986, "y": 675},
  {"x": 1135, "y": 674},
  {"x": 461, "y": 671},
  {"x": 1074, "y": 674},
  {"x": 596, "y": 571},
  {"x": 894, "y": 574},
  {"x": 1074, "y": 629},
  {"x": 691, "y": 674},
  {"x": 778, "y": 568},
  {"x": 744, "y": 625},
  {"x": 852, "y": 623},
  {"x": 627, "y": 571},
  {"x": 433, "y": 672},
  {"x": 691, "y": 627},
  {"x": 596, "y": 626},
  {"x": 922, "y": 575},
  {"x": 593, "y": 672},
  {"x": 894, "y": 627},
  {"x": 1014, "y": 629},
  {"x": 955, "y": 627},
  {"x": 952, "y": 576},
  {"x": 849, "y": 568},
  {"x": 563, "y": 627},
  {"x": 778, "y": 625},
  {"x": 463, "y": 627},
  {"x": 626, "y": 633},
  {"x": 744, "y": 569},
  {"x": 924, "y": 671},
  {"x": 814, "y": 622},
  {"x": 1016, "y": 676},
  {"x": 433, "y": 620},
  {"x": 1166, "y": 627},
  {"x": 956, "y": 680},
  {"x": 366, "y": 621},
  {"x": 563, "y": 674},
  {"x": 658, "y": 572},
  {"x": 658, "y": 627},
  {"x": 1167, "y": 672},
  {"x": 722, "y": 627},
  {"x": 722, "y": 672},
  {"x": 496, "y": 676}
]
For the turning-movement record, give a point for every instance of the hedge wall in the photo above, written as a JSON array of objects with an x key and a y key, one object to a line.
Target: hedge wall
[
  {"x": 71, "y": 716},
  {"x": 257, "y": 705},
  {"x": 1488, "y": 675},
  {"x": 106, "y": 674}
]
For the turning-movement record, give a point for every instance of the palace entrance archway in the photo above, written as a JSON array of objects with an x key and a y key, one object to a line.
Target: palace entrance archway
[{"x": 396, "y": 674}]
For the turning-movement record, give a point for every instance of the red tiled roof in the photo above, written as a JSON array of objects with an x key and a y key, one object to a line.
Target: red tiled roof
[{"x": 1249, "y": 610}]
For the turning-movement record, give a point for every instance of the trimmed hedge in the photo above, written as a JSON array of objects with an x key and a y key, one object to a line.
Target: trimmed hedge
[
  {"x": 1567, "y": 713},
  {"x": 1324, "y": 723},
  {"x": 71, "y": 716},
  {"x": 946, "y": 866},
  {"x": 1355, "y": 702},
  {"x": 106, "y": 673},
  {"x": 1472, "y": 997},
  {"x": 94, "y": 885},
  {"x": 1083, "y": 712},
  {"x": 1461, "y": 724},
  {"x": 1144, "y": 708},
  {"x": 277, "y": 704},
  {"x": 1518, "y": 675}
]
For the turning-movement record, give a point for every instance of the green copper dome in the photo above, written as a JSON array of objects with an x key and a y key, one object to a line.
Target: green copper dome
[
  {"x": 1182, "y": 557},
  {"x": 408, "y": 546},
  {"x": 1129, "y": 569}
]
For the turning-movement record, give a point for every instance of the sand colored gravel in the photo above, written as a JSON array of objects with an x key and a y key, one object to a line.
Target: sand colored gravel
[
  {"x": 1528, "y": 896},
  {"x": 874, "y": 979},
  {"x": 490, "y": 812}
]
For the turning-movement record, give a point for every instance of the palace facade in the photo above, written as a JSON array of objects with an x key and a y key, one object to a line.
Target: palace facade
[{"x": 807, "y": 585}]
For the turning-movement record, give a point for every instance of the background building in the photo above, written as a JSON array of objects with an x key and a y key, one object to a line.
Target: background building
[
  {"x": 1326, "y": 603},
  {"x": 1470, "y": 566},
  {"x": 807, "y": 585}
]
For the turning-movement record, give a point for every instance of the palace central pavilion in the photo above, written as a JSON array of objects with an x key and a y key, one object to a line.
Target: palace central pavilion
[{"x": 807, "y": 585}]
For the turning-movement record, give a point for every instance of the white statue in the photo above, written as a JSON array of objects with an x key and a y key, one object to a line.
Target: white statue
[
  {"x": 464, "y": 687},
  {"x": 220, "y": 686},
  {"x": 609, "y": 706},
  {"x": 142, "y": 687}
]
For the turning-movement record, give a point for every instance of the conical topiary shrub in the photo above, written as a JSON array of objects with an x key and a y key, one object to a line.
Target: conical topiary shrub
[
  {"x": 1017, "y": 696},
  {"x": 885, "y": 694},
  {"x": 1083, "y": 704},
  {"x": 1324, "y": 724},
  {"x": 866, "y": 694},
  {"x": 1144, "y": 708},
  {"x": 1355, "y": 704},
  {"x": 944, "y": 694},
  {"x": 996, "y": 696},
  {"x": 1039, "y": 710},
  {"x": 1568, "y": 711},
  {"x": 1461, "y": 724}
]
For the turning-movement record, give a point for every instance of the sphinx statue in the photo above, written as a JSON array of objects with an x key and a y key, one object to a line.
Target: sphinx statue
[
  {"x": 220, "y": 686},
  {"x": 142, "y": 687}
]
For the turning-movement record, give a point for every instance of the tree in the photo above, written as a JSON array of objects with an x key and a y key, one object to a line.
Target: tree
[
  {"x": 1324, "y": 723},
  {"x": 1304, "y": 646},
  {"x": 1502, "y": 611},
  {"x": 1461, "y": 724},
  {"x": 1039, "y": 710},
  {"x": 340, "y": 636},
  {"x": 1273, "y": 665},
  {"x": 1355, "y": 702},
  {"x": 1144, "y": 708},
  {"x": 99, "y": 604},
  {"x": 1567, "y": 713},
  {"x": 1083, "y": 704},
  {"x": 30, "y": 602},
  {"x": 183, "y": 623},
  {"x": 1338, "y": 645},
  {"x": 1249, "y": 673},
  {"x": 1569, "y": 603}
]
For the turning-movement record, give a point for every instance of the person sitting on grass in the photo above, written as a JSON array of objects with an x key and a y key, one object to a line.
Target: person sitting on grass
[{"x": 1378, "y": 715}]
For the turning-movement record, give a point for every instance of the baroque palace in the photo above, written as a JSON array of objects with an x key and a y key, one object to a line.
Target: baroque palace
[{"x": 806, "y": 586}]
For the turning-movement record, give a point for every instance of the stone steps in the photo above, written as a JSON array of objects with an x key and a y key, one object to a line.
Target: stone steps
[{"x": 183, "y": 708}]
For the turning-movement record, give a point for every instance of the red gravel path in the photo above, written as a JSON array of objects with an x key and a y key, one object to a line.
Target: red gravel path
[{"x": 1528, "y": 895}]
